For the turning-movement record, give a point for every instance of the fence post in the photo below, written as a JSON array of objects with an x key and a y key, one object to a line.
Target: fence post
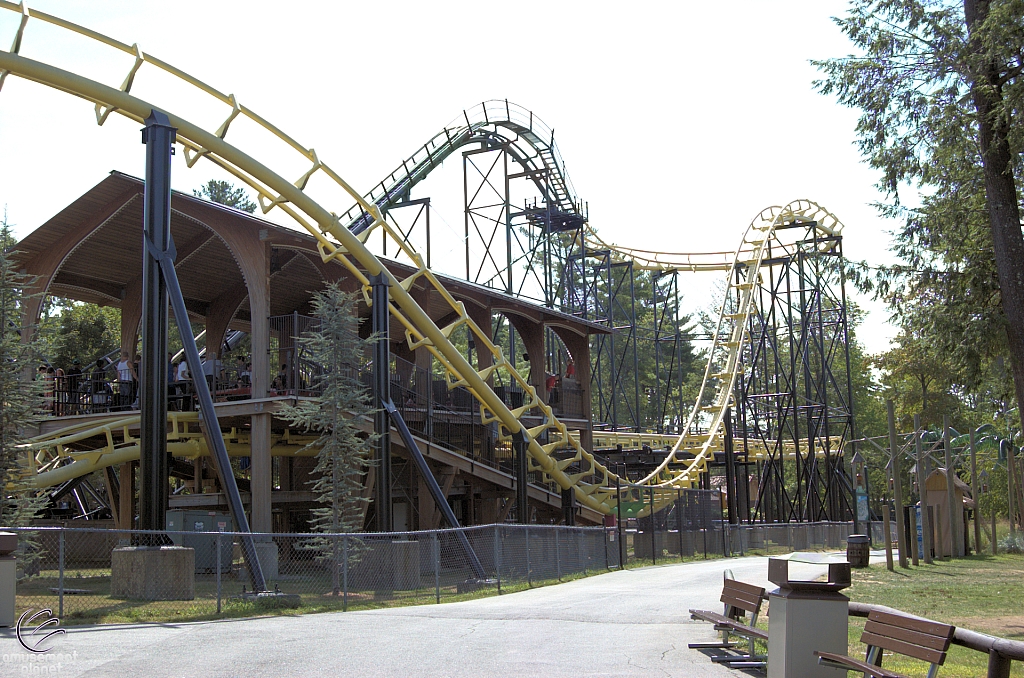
[
  {"x": 344, "y": 574},
  {"x": 922, "y": 475},
  {"x": 998, "y": 665},
  {"x": 497, "y": 556},
  {"x": 60, "y": 574},
  {"x": 654, "y": 531},
  {"x": 704, "y": 524},
  {"x": 956, "y": 517},
  {"x": 995, "y": 548},
  {"x": 975, "y": 491},
  {"x": 618, "y": 524},
  {"x": 582, "y": 549},
  {"x": 529, "y": 573},
  {"x": 887, "y": 536},
  {"x": 912, "y": 515},
  {"x": 604, "y": 538},
  {"x": 436, "y": 551},
  {"x": 679, "y": 521},
  {"x": 558, "y": 557},
  {"x": 218, "y": 572}
]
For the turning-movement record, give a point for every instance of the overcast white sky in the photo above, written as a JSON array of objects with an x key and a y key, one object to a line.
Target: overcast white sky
[{"x": 678, "y": 121}]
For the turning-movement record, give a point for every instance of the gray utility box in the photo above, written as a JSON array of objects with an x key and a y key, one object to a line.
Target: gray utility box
[{"x": 205, "y": 545}]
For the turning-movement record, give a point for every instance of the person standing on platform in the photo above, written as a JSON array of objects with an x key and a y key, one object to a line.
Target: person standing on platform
[
  {"x": 126, "y": 380},
  {"x": 211, "y": 370},
  {"x": 137, "y": 364},
  {"x": 182, "y": 371}
]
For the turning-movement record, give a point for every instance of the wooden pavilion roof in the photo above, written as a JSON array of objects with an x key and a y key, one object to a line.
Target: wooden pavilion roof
[{"x": 106, "y": 257}]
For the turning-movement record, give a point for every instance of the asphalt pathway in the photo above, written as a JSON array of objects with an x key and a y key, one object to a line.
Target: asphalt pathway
[{"x": 632, "y": 623}]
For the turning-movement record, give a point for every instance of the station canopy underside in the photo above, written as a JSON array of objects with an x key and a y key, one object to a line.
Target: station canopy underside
[{"x": 100, "y": 236}]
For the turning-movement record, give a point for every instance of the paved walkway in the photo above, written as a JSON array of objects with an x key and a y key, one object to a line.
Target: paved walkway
[{"x": 632, "y": 623}]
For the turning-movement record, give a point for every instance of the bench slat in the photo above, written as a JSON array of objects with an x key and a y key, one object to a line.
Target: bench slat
[
  {"x": 744, "y": 630},
  {"x": 920, "y": 625},
  {"x": 876, "y": 671},
  {"x": 740, "y": 587},
  {"x": 709, "y": 616},
  {"x": 904, "y": 648},
  {"x": 742, "y": 603},
  {"x": 940, "y": 643}
]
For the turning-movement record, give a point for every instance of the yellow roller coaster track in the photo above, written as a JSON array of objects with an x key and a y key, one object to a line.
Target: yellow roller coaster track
[
  {"x": 72, "y": 451},
  {"x": 574, "y": 466}
]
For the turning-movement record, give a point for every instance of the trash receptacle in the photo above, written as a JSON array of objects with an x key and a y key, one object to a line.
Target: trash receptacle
[
  {"x": 8, "y": 577},
  {"x": 858, "y": 550}
]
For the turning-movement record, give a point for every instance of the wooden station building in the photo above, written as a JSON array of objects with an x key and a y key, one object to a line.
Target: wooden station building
[{"x": 239, "y": 273}]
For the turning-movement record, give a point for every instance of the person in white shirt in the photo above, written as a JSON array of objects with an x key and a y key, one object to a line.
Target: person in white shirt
[
  {"x": 126, "y": 379},
  {"x": 182, "y": 371}
]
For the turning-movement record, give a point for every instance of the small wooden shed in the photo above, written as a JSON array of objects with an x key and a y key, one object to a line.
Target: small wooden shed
[{"x": 938, "y": 500}]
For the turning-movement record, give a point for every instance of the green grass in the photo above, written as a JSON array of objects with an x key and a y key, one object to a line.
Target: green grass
[
  {"x": 983, "y": 593},
  {"x": 99, "y": 607}
]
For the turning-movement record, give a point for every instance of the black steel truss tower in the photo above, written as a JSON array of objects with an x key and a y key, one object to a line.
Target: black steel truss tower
[{"x": 795, "y": 399}]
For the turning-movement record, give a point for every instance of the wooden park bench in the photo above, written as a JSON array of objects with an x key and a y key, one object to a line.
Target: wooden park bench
[
  {"x": 740, "y": 600},
  {"x": 917, "y": 638}
]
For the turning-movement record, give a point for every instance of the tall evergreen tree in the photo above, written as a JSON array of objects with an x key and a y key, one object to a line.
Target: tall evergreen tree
[
  {"x": 20, "y": 397},
  {"x": 225, "y": 193},
  {"x": 343, "y": 452}
]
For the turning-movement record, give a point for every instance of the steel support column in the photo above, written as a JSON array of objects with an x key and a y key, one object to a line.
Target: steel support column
[
  {"x": 157, "y": 126},
  {"x": 519, "y": 447},
  {"x": 730, "y": 470},
  {"x": 158, "y": 136},
  {"x": 569, "y": 506},
  {"x": 381, "y": 394}
]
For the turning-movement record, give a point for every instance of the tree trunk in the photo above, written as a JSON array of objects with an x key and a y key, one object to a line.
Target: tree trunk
[{"x": 1001, "y": 194}]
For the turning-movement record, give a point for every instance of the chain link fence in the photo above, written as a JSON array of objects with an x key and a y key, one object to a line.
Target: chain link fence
[{"x": 72, "y": 571}]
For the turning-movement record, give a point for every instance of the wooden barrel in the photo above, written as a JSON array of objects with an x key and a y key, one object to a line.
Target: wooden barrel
[{"x": 858, "y": 550}]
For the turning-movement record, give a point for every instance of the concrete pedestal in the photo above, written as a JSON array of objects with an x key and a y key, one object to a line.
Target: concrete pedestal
[
  {"x": 153, "y": 573},
  {"x": 266, "y": 553},
  {"x": 802, "y": 622},
  {"x": 406, "y": 558},
  {"x": 642, "y": 544},
  {"x": 8, "y": 586}
]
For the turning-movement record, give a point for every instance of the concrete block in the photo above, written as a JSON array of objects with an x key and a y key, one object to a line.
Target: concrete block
[
  {"x": 8, "y": 586},
  {"x": 672, "y": 543},
  {"x": 406, "y": 558},
  {"x": 798, "y": 537},
  {"x": 642, "y": 544},
  {"x": 153, "y": 573},
  {"x": 266, "y": 553}
]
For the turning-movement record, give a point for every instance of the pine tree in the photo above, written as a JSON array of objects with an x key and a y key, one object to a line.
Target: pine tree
[
  {"x": 225, "y": 193},
  {"x": 343, "y": 452},
  {"x": 20, "y": 399}
]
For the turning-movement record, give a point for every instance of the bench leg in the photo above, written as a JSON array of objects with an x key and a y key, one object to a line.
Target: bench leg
[
  {"x": 749, "y": 665},
  {"x": 732, "y": 658}
]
